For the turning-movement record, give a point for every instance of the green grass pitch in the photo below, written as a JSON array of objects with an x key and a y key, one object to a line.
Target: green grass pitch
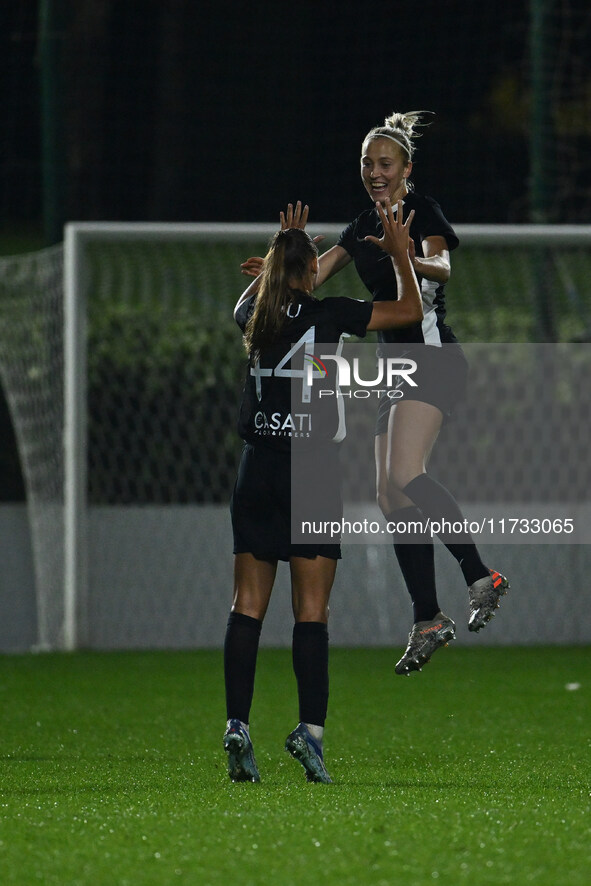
[{"x": 476, "y": 771}]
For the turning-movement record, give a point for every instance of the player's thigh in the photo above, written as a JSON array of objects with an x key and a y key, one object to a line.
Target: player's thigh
[
  {"x": 412, "y": 432},
  {"x": 311, "y": 583},
  {"x": 388, "y": 497}
]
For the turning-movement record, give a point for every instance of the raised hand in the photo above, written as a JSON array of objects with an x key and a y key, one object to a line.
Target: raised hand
[
  {"x": 395, "y": 239},
  {"x": 294, "y": 218}
]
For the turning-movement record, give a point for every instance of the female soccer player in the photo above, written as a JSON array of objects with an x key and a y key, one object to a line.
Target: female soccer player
[
  {"x": 281, "y": 320},
  {"x": 407, "y": 429}
]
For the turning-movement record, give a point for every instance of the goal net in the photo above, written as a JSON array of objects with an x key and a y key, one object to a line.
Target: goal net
[
  {"x": 32, "y": 375},
  {"x": 123, "y": 368}
]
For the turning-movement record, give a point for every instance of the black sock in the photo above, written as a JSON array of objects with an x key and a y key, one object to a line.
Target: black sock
[
  {"x": 417, "y": 564},
  {"x": 439, "y": 505},
  {"x": 240, "y": 658},
  {"x": 310, "y": 665}
]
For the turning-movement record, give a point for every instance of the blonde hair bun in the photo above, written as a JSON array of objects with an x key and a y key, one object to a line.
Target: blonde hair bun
[{"x": 406, "y": 122}]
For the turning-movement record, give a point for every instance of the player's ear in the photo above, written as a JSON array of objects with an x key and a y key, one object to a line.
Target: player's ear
[
  {"x": 314, "y": 265},
  {"x": 408, "y": 169}
]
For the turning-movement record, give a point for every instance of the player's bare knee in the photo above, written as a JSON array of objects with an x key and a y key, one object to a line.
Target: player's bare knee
[
  {"x": 310, "y": 605},
  {"x": 315, "y": 615},
  {"x": 251, "y": 604},
  {"x": 399, "y": 476}
]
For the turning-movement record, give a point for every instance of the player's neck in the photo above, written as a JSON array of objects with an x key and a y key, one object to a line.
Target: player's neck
[
  {"x": 399, "y": 194},
  {"x": 299, "y": 285}
]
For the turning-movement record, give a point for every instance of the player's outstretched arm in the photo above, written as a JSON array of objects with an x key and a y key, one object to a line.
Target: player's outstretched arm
[
  {"x": 407, "y": 309},
  {"x": 330, "y": 263}
]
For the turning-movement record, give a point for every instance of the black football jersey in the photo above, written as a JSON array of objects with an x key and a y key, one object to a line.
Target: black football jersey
[
  {"x": 375, "y": 267},
  {"x": 289, "y": 396}
]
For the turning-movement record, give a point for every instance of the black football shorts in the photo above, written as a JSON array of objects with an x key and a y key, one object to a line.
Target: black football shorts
[
  {"x": 441, "y": 377},
  {"x": 265, "y": 507}
]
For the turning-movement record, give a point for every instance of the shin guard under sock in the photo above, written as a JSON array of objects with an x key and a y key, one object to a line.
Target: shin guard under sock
[
  {"x": 240, "y": 657},
  {"x": 310, "y": 665},
  {"x": 416, "y": 560},
  {"x": 441, "y": 508}
]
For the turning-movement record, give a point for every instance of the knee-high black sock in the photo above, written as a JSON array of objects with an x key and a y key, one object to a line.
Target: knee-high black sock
[
  {"x": 417, "y": 563},
  {"x": 240, "y": 658},
  {"x": 310, "y": 665},
  {"x": 439, "y": 505}
]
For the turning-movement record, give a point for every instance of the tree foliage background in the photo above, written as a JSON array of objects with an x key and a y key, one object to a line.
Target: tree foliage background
[{"x": 176, "y": 110}]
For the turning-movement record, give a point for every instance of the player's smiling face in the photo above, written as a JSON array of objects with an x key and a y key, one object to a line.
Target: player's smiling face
[{"x": 384, "y": 170}]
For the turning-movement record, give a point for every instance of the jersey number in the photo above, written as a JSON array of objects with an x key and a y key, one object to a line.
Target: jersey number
[{"x": 306, "y": 344}]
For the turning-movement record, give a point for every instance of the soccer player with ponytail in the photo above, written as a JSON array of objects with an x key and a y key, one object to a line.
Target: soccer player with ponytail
[{"x": 281, "y": 320}]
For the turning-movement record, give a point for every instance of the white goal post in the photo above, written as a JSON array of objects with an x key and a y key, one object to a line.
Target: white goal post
[
  {"x": 76, "y": 237},
  {"x": 497, "y": 268}
]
